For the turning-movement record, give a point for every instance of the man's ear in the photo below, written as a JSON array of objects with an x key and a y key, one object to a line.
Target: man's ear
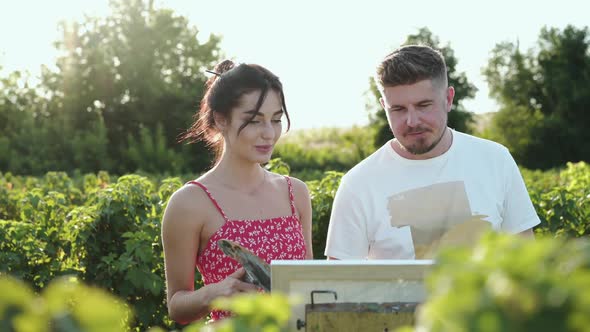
[{"x": 449, "y": 97}]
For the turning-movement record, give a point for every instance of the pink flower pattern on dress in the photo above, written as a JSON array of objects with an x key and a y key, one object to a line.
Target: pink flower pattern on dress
[{"x": 269, "y": 239}]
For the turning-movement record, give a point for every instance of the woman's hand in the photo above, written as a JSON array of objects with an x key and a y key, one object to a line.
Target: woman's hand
[{"x": 233, "y": 284}]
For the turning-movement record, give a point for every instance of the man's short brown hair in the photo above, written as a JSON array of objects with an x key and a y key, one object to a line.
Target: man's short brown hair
[{"x": 411, "y": 64}]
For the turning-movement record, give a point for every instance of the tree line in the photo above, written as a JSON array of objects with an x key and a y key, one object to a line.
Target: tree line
[{"x": 126, "y": 85}]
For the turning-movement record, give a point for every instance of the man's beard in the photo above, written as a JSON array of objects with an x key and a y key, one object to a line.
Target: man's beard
[{"x": 419, "y": 149}]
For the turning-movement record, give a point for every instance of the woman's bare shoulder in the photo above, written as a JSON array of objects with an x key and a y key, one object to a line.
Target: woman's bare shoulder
[
  {"x": 300, "y": 190},
  {"x": 186, "y": 204},
  {"x": 299, "y": 187}
]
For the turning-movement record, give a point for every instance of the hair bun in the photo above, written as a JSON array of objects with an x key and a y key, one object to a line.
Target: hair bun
[
  {"x": 219, "y": 69},
  {"x": 224, "y": 66}
]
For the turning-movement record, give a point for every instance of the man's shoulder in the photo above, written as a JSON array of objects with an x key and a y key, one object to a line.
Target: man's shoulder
[
  {"x": 478, "y": 144},
  {"x": 368, "y": 165}
]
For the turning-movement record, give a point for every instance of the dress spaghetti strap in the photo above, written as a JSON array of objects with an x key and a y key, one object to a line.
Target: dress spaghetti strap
[
  {"x": 211, "y": 198},
  {"x": 291, "y": 197}
]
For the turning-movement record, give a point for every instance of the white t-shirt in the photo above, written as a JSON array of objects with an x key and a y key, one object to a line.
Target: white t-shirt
[{"x": 390, "y": 207}]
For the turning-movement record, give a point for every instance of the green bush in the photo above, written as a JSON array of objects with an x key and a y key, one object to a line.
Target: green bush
[
  {"x": 258, "y": 312},
  {"x": 116, "y": 240},
  {"x": 106, "y": 230},
  {"x": 563, "y": 201},
  {"x": 108, "y": 234},
  {"x": 65, "y": 305},
  {"x": 313, "y": 152},
  {"x": 322, "y": 194},
  {"x": 509, "y": 283},
  {"x": 16, "y": 248}
]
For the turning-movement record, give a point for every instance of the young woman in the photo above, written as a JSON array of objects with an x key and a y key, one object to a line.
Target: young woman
[{"x": 241, "y": 118}]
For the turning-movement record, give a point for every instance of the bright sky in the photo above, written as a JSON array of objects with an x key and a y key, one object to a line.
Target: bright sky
[{"x": 323, "y": 51}]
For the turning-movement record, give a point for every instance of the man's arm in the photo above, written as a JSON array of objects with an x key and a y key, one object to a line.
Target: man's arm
[
  {"x": 347, "y": 231},
  {"x": 519, "y": 215}
]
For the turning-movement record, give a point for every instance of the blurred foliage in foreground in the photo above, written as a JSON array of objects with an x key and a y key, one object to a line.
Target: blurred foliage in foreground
[
  {"x": 505, "y": 283},
  {"x": 508, "y": 283},
  {"x": 65, "y": 305}
]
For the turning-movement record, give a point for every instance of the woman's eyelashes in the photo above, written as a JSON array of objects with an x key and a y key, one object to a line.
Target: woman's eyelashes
[{"x": 255, "y": 121}]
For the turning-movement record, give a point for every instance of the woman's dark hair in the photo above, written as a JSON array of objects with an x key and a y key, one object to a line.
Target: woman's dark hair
[{"x": 223, "y": 91}]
